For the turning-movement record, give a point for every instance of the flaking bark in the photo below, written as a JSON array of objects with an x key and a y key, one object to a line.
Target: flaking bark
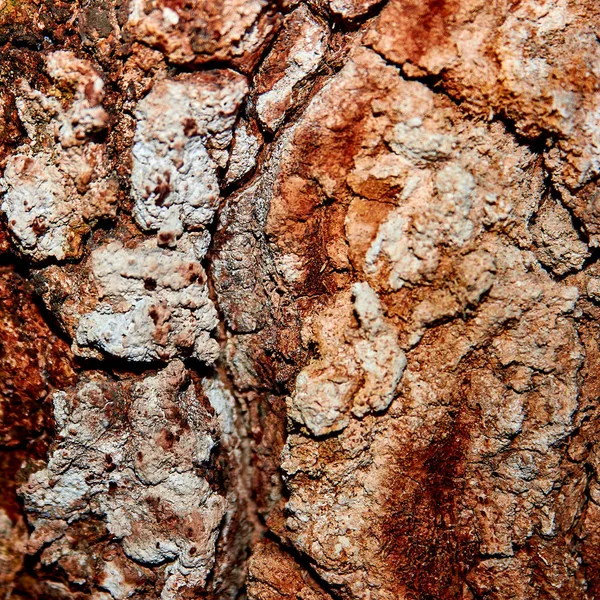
[{"x": 299, "y": 299}]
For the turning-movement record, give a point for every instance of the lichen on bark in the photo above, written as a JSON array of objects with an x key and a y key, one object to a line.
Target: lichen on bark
[{"x": 299, "y": 299}]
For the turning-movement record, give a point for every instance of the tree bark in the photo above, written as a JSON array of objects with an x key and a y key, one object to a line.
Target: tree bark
[{"x": 299, "y": 300}]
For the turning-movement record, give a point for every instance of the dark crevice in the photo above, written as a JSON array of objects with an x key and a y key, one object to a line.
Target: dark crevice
[{"x": 305, "y": 562}]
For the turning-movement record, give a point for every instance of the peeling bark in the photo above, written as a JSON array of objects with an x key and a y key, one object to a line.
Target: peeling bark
[{"x": 299, "y": 300}]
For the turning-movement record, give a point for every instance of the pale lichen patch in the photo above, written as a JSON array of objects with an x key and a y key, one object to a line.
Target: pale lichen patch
[
  {"x": 128, "y": 452},
  {"x": 56, "y": 187},
  {"x": 153, "y": 304},
  {"x": 358, "y": 370},
  {"x": 184, "y": 130}
]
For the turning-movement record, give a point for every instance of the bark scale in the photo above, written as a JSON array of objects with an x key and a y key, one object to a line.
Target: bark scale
[{"x": 299, "y": 299}]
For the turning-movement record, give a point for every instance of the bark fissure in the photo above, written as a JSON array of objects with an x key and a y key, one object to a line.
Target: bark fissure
[{"x": 299, "y": 300}]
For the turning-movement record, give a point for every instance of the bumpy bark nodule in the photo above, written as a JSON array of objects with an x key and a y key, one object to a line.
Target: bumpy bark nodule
[{"x": 299, "y": 300}]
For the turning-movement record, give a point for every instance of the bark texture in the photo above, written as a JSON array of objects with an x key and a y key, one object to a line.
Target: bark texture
[{"x": 299, "y": 299}]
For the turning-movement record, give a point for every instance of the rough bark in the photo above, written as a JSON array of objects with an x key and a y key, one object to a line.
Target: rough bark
[{"x": 299, "y": 300}]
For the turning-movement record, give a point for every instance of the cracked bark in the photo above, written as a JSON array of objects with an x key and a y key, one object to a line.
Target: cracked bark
[{"x": 299, "y": 300}]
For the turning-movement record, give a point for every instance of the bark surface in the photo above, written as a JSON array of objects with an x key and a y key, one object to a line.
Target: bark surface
[{"x": 299, "y": 300}]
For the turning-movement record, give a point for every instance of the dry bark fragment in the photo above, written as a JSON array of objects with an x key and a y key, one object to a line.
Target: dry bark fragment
[
  {"x": 129, "y": 452},
  {"x": 60, "y": 182},
  {"x": 275, "y": 575},
  {"x": 533, "y": 62},
  {"x": 295, "y": 56},
  {"x": 450, "y": 252},
  {"x": 376, "y": 221},
  {"x": 204, "y": 30}
]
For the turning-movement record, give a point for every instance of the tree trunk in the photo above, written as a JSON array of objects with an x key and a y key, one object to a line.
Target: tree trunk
[{"x": 299, "y": 300}]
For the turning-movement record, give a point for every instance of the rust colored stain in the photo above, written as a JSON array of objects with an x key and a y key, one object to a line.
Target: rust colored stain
[
  {"x": 302, "y": 217},
  {"x": 11, "y": 128},
  {"x": 430, "y": 27},
  {"x": 429, "y": 548},
  {"x": 33, "y": 362},
  {"x": 418, "y": 27}
]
